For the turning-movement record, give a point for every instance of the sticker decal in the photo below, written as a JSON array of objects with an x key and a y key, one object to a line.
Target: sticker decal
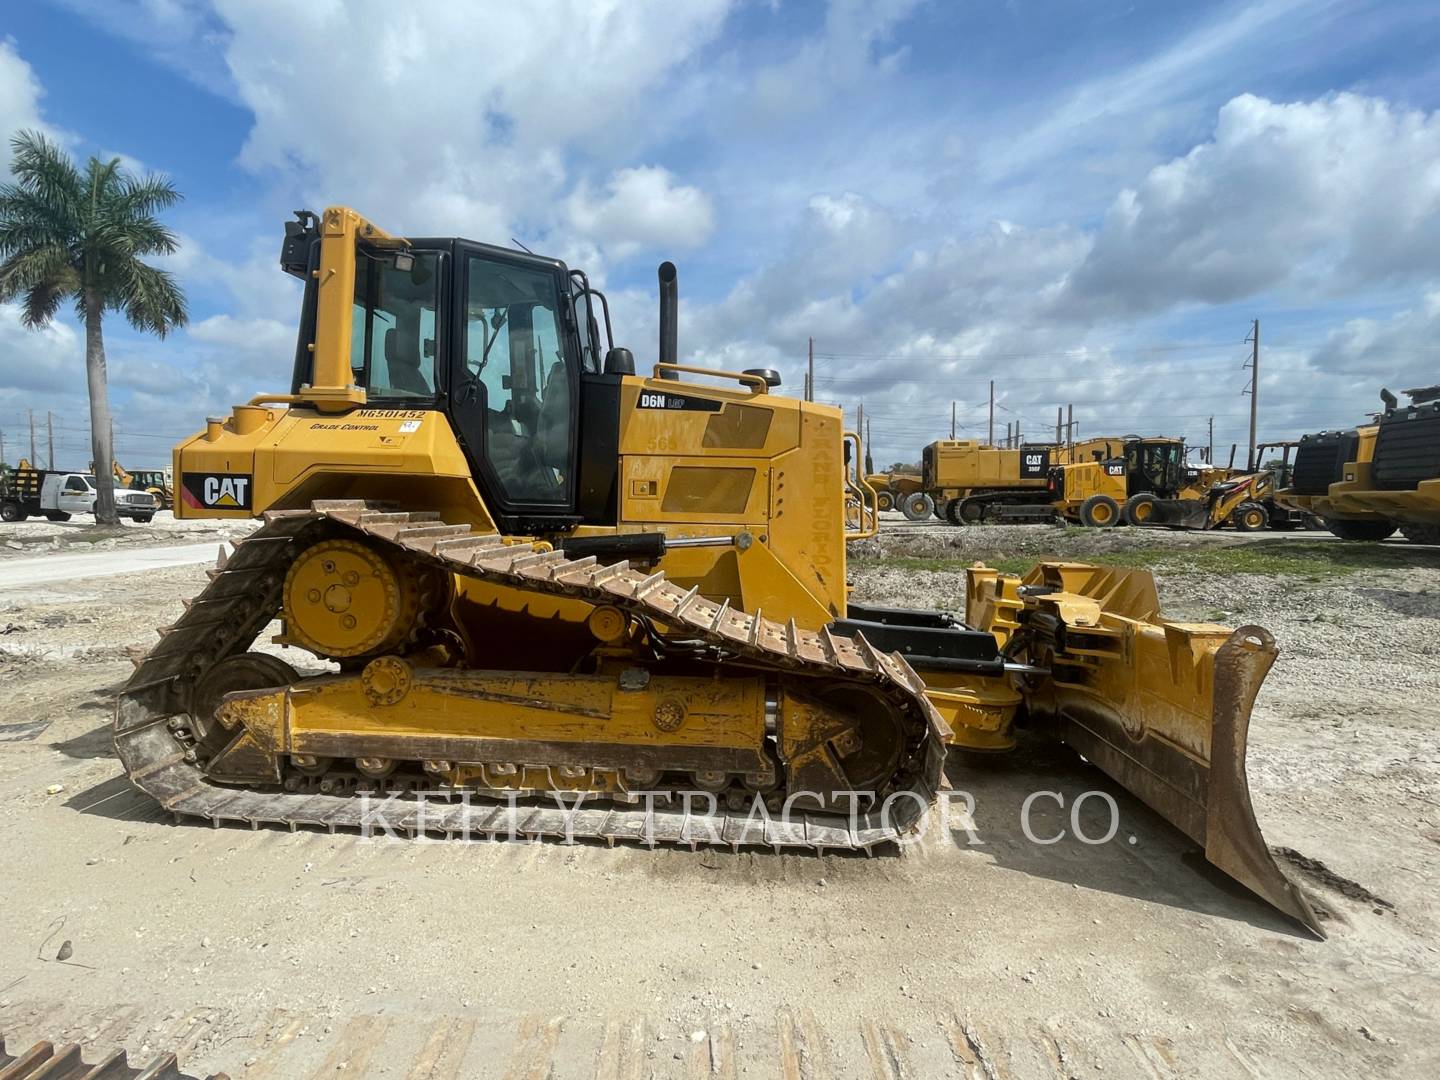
[
  {"x": 1114, "y": 468},
  {"x": 216, "y": 491},
  {"x": 655, "y": 399},
  {"x": 408, "y": 426},
  {"x": 1034, "y": 464}
]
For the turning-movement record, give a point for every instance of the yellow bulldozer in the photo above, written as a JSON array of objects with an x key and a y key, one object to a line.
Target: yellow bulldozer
[
  {"x": 966, "y": 482},
  {"x": 541, "y": 594},
  {"x": 1367, "y": 482}
]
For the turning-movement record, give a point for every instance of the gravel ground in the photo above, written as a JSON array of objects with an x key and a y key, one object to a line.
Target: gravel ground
[
  {"x": 36, "y": 535},
  {"x": 276, "y": 954}
]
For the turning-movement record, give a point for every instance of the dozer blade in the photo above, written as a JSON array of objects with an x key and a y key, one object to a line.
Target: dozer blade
[{"x": 1162, "y": 707}]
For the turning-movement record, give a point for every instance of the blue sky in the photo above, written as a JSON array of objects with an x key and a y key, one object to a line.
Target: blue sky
[{"x": 1088, "y": 202}]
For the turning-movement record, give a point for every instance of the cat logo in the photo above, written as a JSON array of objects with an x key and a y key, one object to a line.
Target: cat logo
[
  {"x": 1034, "y": 464},
  {"x": 216, "y": 491}
]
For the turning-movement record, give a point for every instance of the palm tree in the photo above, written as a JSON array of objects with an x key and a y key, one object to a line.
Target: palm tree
[{"x": 72, "y": 235}]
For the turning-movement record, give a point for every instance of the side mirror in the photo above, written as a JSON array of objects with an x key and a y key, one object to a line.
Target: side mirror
[
  {"x": 619, "y": 361},
  {"x": 770, "y": 375}
]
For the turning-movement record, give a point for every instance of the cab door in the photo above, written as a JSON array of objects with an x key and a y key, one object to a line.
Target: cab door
[
  {"x": 75, "y": 496},
  {"x": 514, "y": 384}
]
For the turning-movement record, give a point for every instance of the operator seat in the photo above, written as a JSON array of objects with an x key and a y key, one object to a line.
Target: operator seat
[{"x": 402, "y": 359}]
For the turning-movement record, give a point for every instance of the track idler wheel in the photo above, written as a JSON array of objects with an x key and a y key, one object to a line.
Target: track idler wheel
[
  {"x": 244, "y": 671},
  {"x": 870, "y": 754}
]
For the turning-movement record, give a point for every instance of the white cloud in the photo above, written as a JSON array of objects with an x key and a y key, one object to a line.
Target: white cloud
[
  {"x": 1142, "y": 101},
  {"x": 1400, "y": 351},
  {"x": 847, "y": 52},
  {"x": 48, "y": 360},
  {"x": 642, "y": 208},
  {"x": 20, "y": 94},
  {"x": 244, "y": 334},
  {"x": 435, "y": 117},
  {"x": 1337, "y": 194}
]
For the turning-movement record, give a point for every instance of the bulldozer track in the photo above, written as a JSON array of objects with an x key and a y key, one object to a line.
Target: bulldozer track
[
  {"x": 66, "y": 1062},
  {"x": 788, "y": 1041},
  {"x": 244, "y": 595}
]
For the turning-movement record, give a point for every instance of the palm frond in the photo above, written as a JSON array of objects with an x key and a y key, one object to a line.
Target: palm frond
[
  {"x": 47, "y": 266},
  {"x": 41, "y": 303},
  {"x": 20, "y": 233},
  {"x": 41, "y": 167},
  {"x": 142, "y": 196},
  {"x": 132, "y": 237},
  {"x": 152, "y": 299}
]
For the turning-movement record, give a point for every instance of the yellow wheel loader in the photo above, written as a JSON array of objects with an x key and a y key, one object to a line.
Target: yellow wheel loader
[
  {"x": 540, "y": 594},
  {"x": 892, "y": 489},
  {"x": 155, "y": 481},
  {"x": 1368, "y": 482}
]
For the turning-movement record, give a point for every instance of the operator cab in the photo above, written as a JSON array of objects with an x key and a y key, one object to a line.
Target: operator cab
[
  {"x": 1154, "y": 467},
  {"x": 506, "y": 343}
]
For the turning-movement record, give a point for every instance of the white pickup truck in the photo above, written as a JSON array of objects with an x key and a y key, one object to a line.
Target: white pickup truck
[{"x": 60, "y": 495}]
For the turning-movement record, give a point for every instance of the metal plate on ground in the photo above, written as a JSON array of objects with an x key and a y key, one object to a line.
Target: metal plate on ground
[{"x": 22, "y": 732}]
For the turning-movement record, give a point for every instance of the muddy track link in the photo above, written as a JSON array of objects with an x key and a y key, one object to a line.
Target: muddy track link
[
  {"x": 64, "y": 1062},
  {"x": 244, "y": 596}
]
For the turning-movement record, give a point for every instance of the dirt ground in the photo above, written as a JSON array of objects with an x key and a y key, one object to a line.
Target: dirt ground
[{"x": 275, "y": 954}]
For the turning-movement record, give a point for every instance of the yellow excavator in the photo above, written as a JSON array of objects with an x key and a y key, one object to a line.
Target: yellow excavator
[{"x": 573, "y": 600}]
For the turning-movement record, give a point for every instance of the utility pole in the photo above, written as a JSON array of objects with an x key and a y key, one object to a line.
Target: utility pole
[
  {"x": 952, "y": 421},
  {"x": 860, "y": 427},
  {"x": 1210, "y": 452},
  {"x": 1254, "y": 392},
  {"x": 810, "y": 373},
  {"x": 1070, "y": 426},
  {"x": 50, "y": 440},
  {"x": 1007, "y": 434},
  {"x": 1059, "y": 424},
  {"x": 31, "y": 412},
  {"x": 990, "y": 439}
]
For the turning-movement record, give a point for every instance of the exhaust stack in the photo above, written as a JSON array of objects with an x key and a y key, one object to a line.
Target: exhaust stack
[{"x": 669, "y": 317}]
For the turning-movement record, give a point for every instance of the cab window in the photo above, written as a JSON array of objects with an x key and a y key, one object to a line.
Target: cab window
[
  {"x": 393, "y": 333},
  {"x": 515, "y": 357}
]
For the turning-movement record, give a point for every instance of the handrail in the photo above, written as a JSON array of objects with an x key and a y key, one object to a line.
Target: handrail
[
  {"x": 858, "y": 485},
  {"x": 756, "y": 384},
  {"x": 275, "y": 399}
]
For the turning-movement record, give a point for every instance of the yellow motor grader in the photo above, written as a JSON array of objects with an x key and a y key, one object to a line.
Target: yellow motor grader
[
  {"x": 1148, "y": 483},
  {"x": 571, "y": 598}
]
